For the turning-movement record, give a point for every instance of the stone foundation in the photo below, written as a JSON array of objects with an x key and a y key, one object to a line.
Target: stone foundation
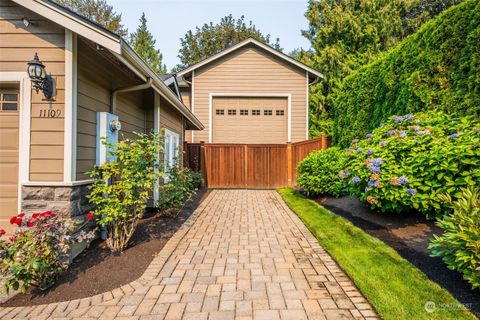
[{"x": 67, "y": 202}]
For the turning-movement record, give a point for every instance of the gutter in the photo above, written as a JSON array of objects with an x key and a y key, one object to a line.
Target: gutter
[
  {"x": 131, "y": 59},
  {"x": 113, "y": 97}
]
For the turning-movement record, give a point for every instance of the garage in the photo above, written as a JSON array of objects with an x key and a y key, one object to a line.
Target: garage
[
  {"x": 9, "y": 133},
  {"x": 234, "y": 119}
]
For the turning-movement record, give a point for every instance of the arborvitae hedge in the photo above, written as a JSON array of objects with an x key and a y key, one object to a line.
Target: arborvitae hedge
[{"x": 436, "y": 68}]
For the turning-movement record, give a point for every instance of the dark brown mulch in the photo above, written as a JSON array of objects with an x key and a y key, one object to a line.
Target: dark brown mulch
[
  {"x": 96, "y": 270},
  {"x": 409, "y": 234}
]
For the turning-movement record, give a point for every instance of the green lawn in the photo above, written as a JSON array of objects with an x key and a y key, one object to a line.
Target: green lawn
[{"x": 396, "y": 288}]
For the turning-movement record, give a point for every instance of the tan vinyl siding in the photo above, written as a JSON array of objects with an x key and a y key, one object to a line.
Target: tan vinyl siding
[
  {"x": 185, "y": 93},
  {"x": 18, "y": 45},
  {"x": 170, "y": 119},
  {"x": 251, "y": 70}
]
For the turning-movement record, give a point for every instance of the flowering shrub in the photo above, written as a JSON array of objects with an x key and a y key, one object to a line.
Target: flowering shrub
[
  {"x": 408, "y": 161},
  {"x": 459, "y": 246},
  {"x": 122, "y": 188},
  {"x": 318, "y": 172},
  {"x": 181, "y": 186},
  {"x": 37, "y": 252}
]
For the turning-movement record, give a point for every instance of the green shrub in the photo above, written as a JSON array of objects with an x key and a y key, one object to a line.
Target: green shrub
[
  {"x": 121, "y": 188},
  {"x": 459, "y": 246},
  {"x": 318, "y": 172},
  {"x": 181, "y": 184},
  {"x": 407, "y": 162},
  {"x": 437, "y": 68}
]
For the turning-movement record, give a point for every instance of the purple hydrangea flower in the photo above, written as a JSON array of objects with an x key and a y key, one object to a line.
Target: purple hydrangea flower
[
  {"x": 359, "y": 150},
  {"x": 373, "y": 184},
  {"x": 416, "y": 128},
  {"x": 402, "y": 134},
  {"x": 356, "y": 179},
  {"x": 397, "y": 118},
  {"x": 420, "y": 133},
  {"x": 377, "y": 161},
  {"x": 454, "y": 136},
  {"x": 411, "y": 191},
  {"x": 408, "y": 116},
  {"x": 391, "y": 132},
  {"x": 403, "y": 180},
  {"x": 382, "y": 143},
  {"x": 368, "y": 135},
  {"x": 369, "y": 151}
]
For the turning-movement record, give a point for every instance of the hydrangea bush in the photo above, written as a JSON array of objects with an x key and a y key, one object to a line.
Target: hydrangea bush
[
  {"x": 318, "y": 172},
  {"x": 410, "y": 160}
]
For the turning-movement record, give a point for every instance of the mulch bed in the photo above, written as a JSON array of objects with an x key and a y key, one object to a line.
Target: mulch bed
[
  {"x": 96, "y": 270},
  {"x": 409, "y": 235}
]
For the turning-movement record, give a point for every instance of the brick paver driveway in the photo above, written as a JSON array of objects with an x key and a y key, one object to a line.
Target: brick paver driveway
[{"x": 243, "y": 255}]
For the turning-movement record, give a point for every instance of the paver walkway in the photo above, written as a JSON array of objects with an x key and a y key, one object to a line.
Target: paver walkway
[{"x": 243, "y": 254}]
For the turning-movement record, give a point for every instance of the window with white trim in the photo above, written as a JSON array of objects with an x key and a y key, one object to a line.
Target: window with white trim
[{"x": 172, "y": 142}]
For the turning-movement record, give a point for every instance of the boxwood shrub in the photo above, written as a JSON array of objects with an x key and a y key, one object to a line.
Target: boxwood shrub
[
  {"x": 410, "y": 160},
  {"x": 318, "y": 172}
]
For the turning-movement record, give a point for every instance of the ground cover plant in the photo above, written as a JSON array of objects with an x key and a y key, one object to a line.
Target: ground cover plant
[
  {"x": 459, "y": 246},
  {"x": 121, "y": 188},
  {"x": 318, "y": 172},
  {"x": 395, "y": 288},
  {"x": 436, "y": 68},
  {"x": 409, "y": 160}
]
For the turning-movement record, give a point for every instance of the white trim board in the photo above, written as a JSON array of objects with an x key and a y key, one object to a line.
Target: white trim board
[
  {"x": 70, "y": 113},
  {"x": 307, "y": 107},
  {"x": 24, "y": 127},
  {"x": 273, "y": 51},
  {"x": 250, "y": 94}
]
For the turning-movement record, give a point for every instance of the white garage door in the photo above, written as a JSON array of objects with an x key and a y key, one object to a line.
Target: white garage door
[{"x": 255, "y": 120}]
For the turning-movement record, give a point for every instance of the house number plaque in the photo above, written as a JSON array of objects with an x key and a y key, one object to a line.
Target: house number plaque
[{"x": 50, "y": 113}]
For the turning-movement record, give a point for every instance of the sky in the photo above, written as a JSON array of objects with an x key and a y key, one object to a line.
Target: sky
[{"x": 169, "y": 20}]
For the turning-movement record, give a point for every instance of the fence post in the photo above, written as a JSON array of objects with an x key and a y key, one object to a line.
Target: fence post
[
  {"x": 324, "y": 142},
  {"x": 185, "y": 155},
  {"x": 289, "y": 164},
  {"x": 202, "y": 165}
]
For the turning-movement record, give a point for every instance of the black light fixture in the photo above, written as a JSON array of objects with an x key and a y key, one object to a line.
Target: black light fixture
[{"x": 40, "y": 79}]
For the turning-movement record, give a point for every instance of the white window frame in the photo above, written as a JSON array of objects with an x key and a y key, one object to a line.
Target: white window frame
[{"x": 170, "y": 155}]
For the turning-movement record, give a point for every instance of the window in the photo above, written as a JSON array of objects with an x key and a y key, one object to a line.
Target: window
[
  {"x": 219, "y": 112},
  {"x": 280, "y": 112},
  {"x": 232, "y": 112},
  {"x": 172, "y": 141},
  {"x": 244, "y": 112},
  {"x": 255, "y": 112},
  {"x": 267, "y": 112},
  {"x": 9, "y": 98}
]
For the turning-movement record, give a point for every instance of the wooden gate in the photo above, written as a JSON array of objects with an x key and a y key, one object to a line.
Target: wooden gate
[{"x": 250, "y": 165}]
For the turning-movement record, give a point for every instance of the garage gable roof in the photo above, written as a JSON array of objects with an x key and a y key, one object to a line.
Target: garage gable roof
[
  {"x": 257, "y": 43},
  {"x": 114, "y": 43}
]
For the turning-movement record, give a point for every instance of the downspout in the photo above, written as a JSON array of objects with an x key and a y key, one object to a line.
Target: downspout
[{"x": 113, "y": 97}]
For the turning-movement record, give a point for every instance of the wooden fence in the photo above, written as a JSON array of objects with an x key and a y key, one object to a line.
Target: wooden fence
[{"x": 249, "y": 165}]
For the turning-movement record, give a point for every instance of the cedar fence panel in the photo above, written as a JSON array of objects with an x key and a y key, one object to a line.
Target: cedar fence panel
[{"x": 249, "y": 165}]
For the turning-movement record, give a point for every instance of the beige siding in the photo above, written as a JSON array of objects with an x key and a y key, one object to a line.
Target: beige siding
[
  {"x": 251, "y": 70},
  {"x": 18, "y": 45},
  {"x": 170, "y": 119}
]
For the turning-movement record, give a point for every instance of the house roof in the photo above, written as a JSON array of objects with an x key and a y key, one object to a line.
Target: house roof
[
  {"x": 250, "y": 41},
  {"x": 114, "y": 43}
]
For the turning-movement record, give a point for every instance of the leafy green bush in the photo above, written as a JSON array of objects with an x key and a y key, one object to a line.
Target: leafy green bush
[
  {"x": 459, "y": 246},
  {"x": 121, "y": 188},
  {"x": 318, "y": 172},
  {"x": 181, "y": 184},
  {"x": 436, "y": 68},
  {"x": 408, "y": 161}
]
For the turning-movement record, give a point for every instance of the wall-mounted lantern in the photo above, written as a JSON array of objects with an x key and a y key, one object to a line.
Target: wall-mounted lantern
[{"x": 40, "y": 79}]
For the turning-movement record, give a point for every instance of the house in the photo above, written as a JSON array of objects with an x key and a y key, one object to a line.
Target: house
[
  {"x": 248, "y": 93},
  {"x": 47, "y": 146}
]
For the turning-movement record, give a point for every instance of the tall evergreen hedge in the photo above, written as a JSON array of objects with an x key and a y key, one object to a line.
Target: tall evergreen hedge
[{"x": 436, "y": 68}]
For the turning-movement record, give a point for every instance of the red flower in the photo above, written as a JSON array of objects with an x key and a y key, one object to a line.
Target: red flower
[
  {"x": 35, "y": 215},
  {"x": 47, "y": 213},
  {"x": 89, "y": 216},
  {"x": 18, "y": 221},
  {"x": 13, "y": 219},
  {"x": 20, "y": 214},
  {"x": 2, "y": 232},
  {"x": 11, "y": 239},
  {"x": 30, "y": 223}
]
